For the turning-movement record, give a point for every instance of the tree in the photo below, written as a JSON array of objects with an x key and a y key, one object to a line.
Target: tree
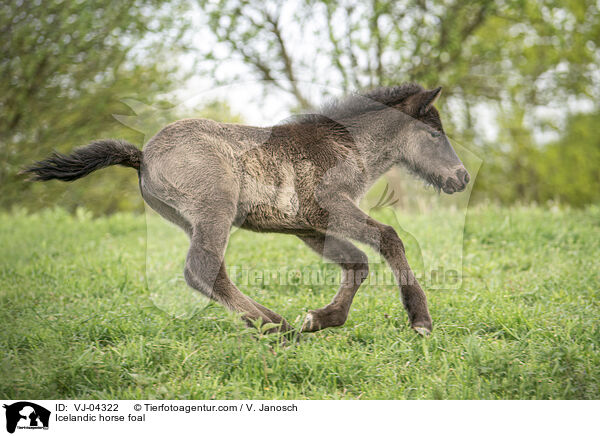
[
  {"x": 64, "y": 68},
  {"x": 481, "y": 48},
  {"x": 568, "y": 170}
]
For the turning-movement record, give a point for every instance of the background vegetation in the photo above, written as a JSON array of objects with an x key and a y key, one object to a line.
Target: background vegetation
[{"x": 521, "y": 79}]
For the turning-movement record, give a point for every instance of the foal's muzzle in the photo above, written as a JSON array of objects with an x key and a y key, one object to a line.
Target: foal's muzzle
[{"x": 456, "y": 183}]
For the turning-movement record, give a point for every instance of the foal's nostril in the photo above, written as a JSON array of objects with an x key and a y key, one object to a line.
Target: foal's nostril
[{"x": 463, "y": 176}]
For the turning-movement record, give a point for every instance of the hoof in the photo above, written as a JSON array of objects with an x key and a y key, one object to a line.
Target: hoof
[
  {"x": 323, "y": 318},
  {"x": 307, "y": 325},
  {"x": 422, "y": 331}
]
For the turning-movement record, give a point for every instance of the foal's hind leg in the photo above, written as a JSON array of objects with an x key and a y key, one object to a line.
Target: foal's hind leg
[
  {"x": 205, "y": 272},
  {"x": 355, "y": 269}
]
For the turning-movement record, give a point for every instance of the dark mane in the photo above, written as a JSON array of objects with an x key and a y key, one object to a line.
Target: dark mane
[{"x": 359, "y": 103}]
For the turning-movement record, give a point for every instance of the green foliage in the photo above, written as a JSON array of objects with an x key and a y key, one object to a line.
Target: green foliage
[
  {"x": 569, "y": 170},
  {"x": 79, "y": 322},
  {"x": 65, "y": 67},
  {"x": 565, "y": 171},
  {"x": 519, "y": 51}
]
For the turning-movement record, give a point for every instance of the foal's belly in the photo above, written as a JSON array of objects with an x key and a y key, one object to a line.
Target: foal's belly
[{"x": 271, "y": 217}]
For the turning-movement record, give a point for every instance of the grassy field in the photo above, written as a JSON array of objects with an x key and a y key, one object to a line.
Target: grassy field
[{"x": 82, "y": 319}]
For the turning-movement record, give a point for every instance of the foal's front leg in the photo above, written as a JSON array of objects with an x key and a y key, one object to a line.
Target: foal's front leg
[
  {"x": 355, "y": 269},
  {"x": 345, "y": 219}
]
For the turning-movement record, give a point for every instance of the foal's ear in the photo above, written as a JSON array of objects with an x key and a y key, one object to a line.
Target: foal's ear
[
  {"x": 424, "y": 101},
  {"x": 430, "y": 98}
]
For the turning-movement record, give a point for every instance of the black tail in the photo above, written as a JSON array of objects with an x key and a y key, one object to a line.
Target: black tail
[{"x": 84, "y": 160}]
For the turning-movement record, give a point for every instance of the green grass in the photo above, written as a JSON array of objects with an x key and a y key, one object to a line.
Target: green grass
[{"x": 80, "y": 320}]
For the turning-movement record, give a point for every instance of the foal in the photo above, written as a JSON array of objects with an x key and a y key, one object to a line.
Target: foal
[{"x": 304, "y": 177}]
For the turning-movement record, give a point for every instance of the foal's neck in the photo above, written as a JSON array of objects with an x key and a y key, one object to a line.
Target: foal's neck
[{"x": 378, "y": 136}]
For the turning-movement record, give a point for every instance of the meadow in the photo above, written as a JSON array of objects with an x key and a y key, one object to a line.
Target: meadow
[{"x": 84, "y": 315}]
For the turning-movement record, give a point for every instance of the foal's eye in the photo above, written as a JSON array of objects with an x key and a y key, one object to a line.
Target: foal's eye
[{"x": 435, "y": 134}]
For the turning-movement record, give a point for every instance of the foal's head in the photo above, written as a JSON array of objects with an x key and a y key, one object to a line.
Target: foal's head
[
  {"x": 406, "y": 122},
  {"x": 425, "y": 148}
]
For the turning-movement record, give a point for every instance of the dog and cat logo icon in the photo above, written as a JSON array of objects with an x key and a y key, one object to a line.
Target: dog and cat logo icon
[{"x": 26, "y": 415}]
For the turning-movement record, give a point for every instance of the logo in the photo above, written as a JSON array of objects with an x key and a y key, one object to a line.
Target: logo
[{"x": 26, "y": 415}]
